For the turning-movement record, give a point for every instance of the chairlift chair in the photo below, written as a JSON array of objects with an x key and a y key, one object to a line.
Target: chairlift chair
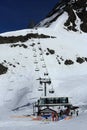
[
  {"x": 46, "y": 74},
  {"x": 40, "y": 53},
  {"x": 34, "y": 49},
  {"x": 40, "y": 88},
  {"x": 42, "y": 59},
  {"x": 34, "y": 55},
  {"x": 36, "y": 69},
  {"x": 51, "y": 91},
  {"x": 44, "y": 65},
  {"x": 35, "y": 62}
]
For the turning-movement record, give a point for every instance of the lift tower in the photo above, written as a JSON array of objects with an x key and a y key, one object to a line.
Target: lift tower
[{"x": 45, "y": 81}]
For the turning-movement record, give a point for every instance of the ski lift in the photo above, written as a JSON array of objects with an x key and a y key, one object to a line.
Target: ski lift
[
  {"x": 40, "y": 88},
  {"x": 35, "y": 62},
  {"x": 44, "y": 65},
  {"x": 34, "y": 55},
  {"x": 42, "y": 59},
  {"x": 37, "y": 69},
  {"x": 40, "y": 53},
  {"x": 34, "y": 49},
  {"x": 46, "y": 74},
  {"x": 51, "y": 91}
]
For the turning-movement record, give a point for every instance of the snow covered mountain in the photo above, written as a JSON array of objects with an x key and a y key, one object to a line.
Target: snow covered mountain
[
  {"x": 77, "y": 15},
  {"x": 56, "y": 49}
]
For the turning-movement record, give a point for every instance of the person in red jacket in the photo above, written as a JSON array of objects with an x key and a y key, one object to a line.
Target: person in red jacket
[{"x": 53, "y": 116}]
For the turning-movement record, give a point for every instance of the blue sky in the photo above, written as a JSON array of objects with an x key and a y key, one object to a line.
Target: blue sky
[{"x": 16, "y": 14}]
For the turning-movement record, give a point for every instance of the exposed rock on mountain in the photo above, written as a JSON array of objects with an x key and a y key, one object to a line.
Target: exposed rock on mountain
[
  {"x": 77, "y": 15},
  {"x": 3, "y": 69}
]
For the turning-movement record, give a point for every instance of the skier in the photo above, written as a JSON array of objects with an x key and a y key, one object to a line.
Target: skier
[
  {"x": 53, "y": 116},
  {"x": 77, "y": 112}
]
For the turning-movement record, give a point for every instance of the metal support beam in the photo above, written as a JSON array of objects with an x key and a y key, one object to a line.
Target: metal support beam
[{"x": 45, "y": 81}]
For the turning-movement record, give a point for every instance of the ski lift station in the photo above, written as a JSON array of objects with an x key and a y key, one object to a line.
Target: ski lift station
[{"x": 47, "y": 105}]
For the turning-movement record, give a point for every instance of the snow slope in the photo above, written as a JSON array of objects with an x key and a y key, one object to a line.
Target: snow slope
[
  {"x": 75, "y": 123},
  {"x": 20, "y": 81},
  {"x": 19, "y": 87}
]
